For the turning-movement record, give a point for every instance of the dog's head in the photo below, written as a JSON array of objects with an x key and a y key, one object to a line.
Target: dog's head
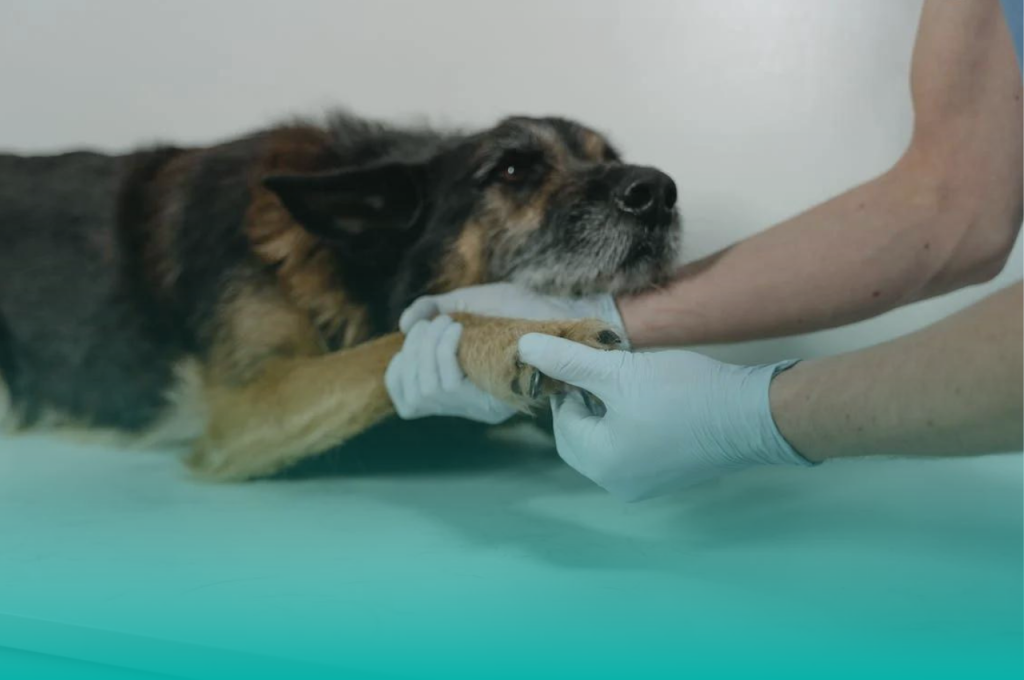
[{"x": 544, "y": 202}]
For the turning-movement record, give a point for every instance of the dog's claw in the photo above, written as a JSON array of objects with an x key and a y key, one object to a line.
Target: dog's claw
[
  {"x": 535, "y": 384},
  {"x": 593, "y": 404},
  {"x": 609, "y": 338}
]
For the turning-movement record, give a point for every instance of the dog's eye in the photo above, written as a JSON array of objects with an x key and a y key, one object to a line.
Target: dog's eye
[
  {"x": 514, "y": 167},
  {"x": 511, "y": 173}
]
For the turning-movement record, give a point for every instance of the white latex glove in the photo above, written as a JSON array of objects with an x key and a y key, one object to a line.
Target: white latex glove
[
  {"x": 514, "y": 302},
  {"x": 674, "y": 418},
  {"x": 425, "y": 379}
]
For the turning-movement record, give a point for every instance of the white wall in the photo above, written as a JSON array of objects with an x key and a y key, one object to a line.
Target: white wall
[{"x": 759, "y": 109}]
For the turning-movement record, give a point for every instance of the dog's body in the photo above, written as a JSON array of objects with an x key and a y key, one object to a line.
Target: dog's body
[{"x": 244, "y": 296}]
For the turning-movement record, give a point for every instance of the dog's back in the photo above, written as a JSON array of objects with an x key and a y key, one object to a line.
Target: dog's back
[
  {"x": 117, "y": 272},
  {"x": 67, "y": 315}
]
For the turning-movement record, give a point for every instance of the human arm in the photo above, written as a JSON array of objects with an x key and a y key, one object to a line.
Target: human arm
[
  {"x": 675, "y": 418},
  {"x": 953, "y": 388},
  {"x": 944, "y": 216}
]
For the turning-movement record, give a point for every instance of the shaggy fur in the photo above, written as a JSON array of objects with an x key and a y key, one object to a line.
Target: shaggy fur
[{"x": 243, "y": 297}]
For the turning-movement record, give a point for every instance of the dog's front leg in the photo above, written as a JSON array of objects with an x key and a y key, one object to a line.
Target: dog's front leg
[
  {"x": 297, "y": 407},
  {"x": 294, "y": 408}
]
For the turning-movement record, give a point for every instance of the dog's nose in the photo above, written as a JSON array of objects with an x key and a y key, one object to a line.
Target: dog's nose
[{"x": 647, "y": 193}]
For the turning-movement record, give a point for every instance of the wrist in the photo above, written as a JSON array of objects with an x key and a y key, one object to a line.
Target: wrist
[
  {"x": 791, "y": 405},
  {"x": 765, "y": 442},
  {"x": 649, "y": 322}
]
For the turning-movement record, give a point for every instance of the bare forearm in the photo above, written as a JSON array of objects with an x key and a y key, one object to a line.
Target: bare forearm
[
  {"x": 954, "y": 388},
  {"x": 869, "y": 250},
  {"x": 945, "y": 216}
]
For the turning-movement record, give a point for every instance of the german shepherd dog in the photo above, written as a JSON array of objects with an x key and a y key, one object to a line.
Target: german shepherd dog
[{"x": 242, "y": 299}]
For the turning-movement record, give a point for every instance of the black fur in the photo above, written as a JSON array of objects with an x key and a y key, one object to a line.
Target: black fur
[{"x": 75, "y": 337}]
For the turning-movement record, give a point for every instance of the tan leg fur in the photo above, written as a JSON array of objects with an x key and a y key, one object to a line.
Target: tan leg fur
[{"x": 297, "y": 407}]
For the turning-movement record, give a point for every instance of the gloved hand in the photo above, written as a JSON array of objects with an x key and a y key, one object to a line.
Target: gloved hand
[
  {"x": 674, "y": 418},
  {"x": 425, "y": 379},
  {"x": 515, "y": 302}
]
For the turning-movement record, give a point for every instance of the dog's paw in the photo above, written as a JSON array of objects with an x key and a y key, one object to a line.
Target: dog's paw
[
  {"x": 216, "y": 464},
  {"x": 489, "y": 353},
  {"x": 208, "y": 464},
  {"x": 534, "y": 387}
]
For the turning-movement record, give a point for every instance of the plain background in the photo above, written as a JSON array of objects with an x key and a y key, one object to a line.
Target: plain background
[{"x": 759, "y": 109}]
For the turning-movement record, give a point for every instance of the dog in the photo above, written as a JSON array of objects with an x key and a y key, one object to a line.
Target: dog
[{"x": 242, "y": 299}]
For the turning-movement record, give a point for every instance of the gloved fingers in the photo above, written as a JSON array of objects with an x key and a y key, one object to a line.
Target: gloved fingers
[
  {"x": 410, "y": 364},
  {"x": 423, "y": 309},
  {"x": 448, "y": 358},
  {"x": 577, "y": 432},
  {"x": 427, "y": 370},
  {"x": 584, "y": 442},
  {"x": 591, "y": 369}
]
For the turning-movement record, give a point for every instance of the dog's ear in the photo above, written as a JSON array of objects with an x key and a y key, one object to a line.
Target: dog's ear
[{"x": 351, "y": 202}]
